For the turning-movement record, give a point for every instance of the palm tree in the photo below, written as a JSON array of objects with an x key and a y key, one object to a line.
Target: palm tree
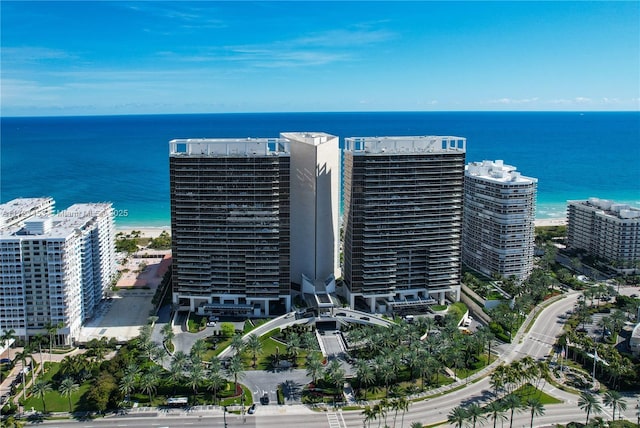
[
  {"x": 535, "y": 407},
  {"x": 74, "y": 365},
  {"x": 293, "y": 347},
  {"x": 67, "y": 388},
  {"x": 148, "y": 383},
  {"x": 40, "y": 389},
  {"x": 198, "y": 348},
  {"x": 476, "y": 414},
  {"x": 614, "y": 400},
  {"x": 369, "y": 414},
  {"x": 314, "y": 367},
  {"x": 180, "y": 359},
  {"x": 237, "y": 344},
  {"x": 334, "y": 374},
  {"x": 214, "y": 383},
  {"x": 22, "y": 356},
  {"x": 196, "y": 372},
  {"x": 457, "y": 416},
  {"x": 498, "y": 378},
  {"x": 254, "y": 345},
  {"x": 39, "y": 339},
  {"x": 167, "y": 332},
  {"x": 495, "y": 410},
  {"x": 235, "y": 370},
  {"x": 417, "y": 425},
  {"x": 52, "y": 330},
  {"x": 365, "y": 374},
  {"x": 385, "y": 373},
  {"x": 8, "y": 336},
  {"x": 589, "y": 403},
  {"x": 127, "y": 385},
  {"x": 403, "y": 404},
  {"x": 513, "y": 403}
]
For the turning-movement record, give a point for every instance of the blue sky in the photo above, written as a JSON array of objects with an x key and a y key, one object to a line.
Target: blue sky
[{"x": 92, "y": 57}]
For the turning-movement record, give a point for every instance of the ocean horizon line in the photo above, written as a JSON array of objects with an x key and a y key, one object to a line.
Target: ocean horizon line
[{"x": 116, "y": 115}]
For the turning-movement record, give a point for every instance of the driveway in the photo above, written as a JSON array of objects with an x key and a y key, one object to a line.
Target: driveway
[{"x": 260, "y": 382}]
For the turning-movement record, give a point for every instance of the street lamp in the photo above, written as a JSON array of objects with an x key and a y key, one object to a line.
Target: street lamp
[
  {"x": 244, "y": 416},
  {"x": 224, "y": 416}
]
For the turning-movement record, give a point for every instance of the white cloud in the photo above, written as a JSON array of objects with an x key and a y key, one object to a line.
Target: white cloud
[
  {"x": 14, "y": 55},
  {"x": 509, "y": 101}
]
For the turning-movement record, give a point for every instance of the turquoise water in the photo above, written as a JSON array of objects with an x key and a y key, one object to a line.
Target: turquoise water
[{"x": 124, "y": 159}]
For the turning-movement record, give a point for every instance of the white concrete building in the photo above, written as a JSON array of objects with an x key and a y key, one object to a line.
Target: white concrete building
[
  {"x": 498, "y": 230},
  {"x": 315, "y": 210},
  {"x": 605, "y": 229},
  {"x": 16, "y": 211},
  {"x": 402, "y": 220},
  {"x": 55, "y": 269}
]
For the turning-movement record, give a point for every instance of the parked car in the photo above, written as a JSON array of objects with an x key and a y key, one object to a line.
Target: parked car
[
  {"x": 5, "y": 361},
  {"x": 211, "y": 324}
]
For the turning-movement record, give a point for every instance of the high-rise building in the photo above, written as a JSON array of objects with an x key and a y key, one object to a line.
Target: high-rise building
[
  {"x": 56, "y": 269},
  {"x": 230, "y": 225},
  {"x": 402, "y": 220},
  {"x": 605, "y": 229},
  {"x": 315, "y": 211},
  {"x": 498, "y": 230},
  {"x": 15, "y": 212}
]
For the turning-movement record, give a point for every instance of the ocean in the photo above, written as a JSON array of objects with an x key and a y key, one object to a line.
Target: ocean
[{"x": 124, "y": 159}]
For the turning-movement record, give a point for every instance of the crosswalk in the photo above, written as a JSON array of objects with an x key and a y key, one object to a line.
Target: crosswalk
[{"x": 336, "y": 420}]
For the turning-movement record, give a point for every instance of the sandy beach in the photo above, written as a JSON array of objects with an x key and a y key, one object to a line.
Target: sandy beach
[
  {"x": 145, "y": 232},
  {"x": 551, "y": 222}
]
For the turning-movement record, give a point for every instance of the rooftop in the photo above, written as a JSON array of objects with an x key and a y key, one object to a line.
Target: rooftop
[
  {"x": 217, "y": 147},
  {"x": 497, "y": 171},
  {"x": 22, "y": 208},
  {"x": 311, "y": 138},
  {"x": 59, "y": 226},
  {"x": 405, "y": 144},
  {"x": 609, "y": 208}
]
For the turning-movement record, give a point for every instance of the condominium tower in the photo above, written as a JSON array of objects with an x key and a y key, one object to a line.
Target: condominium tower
[
  {"x": 498, "y": 228},
  {"x": 230, "y": 225},
  {"x": 605, "y": 229},
  {"x": 55, "y": 270},
  {"x": 402, "y": 220},
  {"x": 249, "y": 217}
]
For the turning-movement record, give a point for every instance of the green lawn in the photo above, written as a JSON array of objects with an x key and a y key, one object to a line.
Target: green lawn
[
  {"x": 529, "y": 391},
  {"x": 55, "y": 401}
]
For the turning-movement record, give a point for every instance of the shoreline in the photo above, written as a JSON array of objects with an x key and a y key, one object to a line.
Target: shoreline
[
  {"x": 546, "y": 222},
  {"x": 145, "y": 231}
]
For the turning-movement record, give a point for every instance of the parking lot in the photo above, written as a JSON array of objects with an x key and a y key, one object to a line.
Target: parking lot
[{"x": 121, "y": 317}]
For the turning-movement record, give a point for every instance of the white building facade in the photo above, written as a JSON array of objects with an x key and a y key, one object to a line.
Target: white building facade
[
  {"x": 402, "y": 220},
  {"x": 315, "y": 210},
  {"x": 605, "y": 229},
  {"x": 55, "y": 270},
  {"x": 498, "y": 234}
]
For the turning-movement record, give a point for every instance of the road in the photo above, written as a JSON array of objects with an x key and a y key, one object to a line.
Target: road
[{"x": 537, "y": 342}]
